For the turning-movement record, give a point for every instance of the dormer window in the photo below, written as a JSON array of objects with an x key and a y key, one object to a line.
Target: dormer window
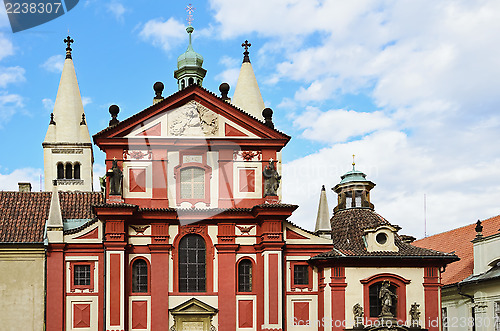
[{"x": 381, "y": 239}]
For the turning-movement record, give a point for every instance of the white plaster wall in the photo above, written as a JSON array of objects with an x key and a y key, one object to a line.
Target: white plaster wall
[
  {"x": 86, "y": 172},
  {"x": 22, "y": 279}
]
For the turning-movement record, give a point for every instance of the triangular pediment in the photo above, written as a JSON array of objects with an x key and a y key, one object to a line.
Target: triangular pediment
[
  {"x": 193, "y": 306},
  {"x": 191, "y": 113}
]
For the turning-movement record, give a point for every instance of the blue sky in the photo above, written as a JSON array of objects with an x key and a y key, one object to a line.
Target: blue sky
[{"x": 410, "y": 87}]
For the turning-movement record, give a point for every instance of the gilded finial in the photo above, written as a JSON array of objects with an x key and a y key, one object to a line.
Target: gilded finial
[
  {"x": 353, "y": 163},
  {"x": 190, "y": 10},
  {"x": 68, "y": 42}
]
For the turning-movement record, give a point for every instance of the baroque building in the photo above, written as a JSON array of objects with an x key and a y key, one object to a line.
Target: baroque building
[{"x": 191, "y": 232}]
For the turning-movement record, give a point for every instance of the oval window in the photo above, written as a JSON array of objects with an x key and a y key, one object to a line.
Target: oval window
[{"x": 381, "y": 238}]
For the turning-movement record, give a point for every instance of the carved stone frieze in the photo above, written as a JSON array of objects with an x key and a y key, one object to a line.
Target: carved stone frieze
[
  {"x": 194, "y": 119},
  {"x": 247, "y": 156},
  {"x": 137, "y": 155},
  {"x": 67, "y": 151}
]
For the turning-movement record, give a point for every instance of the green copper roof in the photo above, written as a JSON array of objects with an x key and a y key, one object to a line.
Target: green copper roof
[
  {"x": 189, "y": 58},
  {"x": 353, "y": 176}
]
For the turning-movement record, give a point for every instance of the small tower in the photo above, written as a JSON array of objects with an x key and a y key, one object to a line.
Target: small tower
[
  {"x": 323, "y": 227},
  {"x": 189, "y": 66},
  {"x": 353, "y": 190},
  {"x": 247, "y": 93},
  {"x": 67, "y": 148}
]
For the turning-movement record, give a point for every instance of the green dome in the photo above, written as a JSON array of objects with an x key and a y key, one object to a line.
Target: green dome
[
  {"x": 189, "y": 58},
  {"x": 353, "y": 176}
]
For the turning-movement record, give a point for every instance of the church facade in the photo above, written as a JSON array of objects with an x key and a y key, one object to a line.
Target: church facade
[{"x": 190, "y": 232}]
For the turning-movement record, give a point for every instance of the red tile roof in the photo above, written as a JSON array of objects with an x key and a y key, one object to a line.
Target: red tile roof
[
  {"x": 23, "y": 214},
  {"x": 459, "y": 240}
]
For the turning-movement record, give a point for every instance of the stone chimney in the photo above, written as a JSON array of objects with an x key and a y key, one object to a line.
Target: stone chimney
[{"x": 24, "y": 187}]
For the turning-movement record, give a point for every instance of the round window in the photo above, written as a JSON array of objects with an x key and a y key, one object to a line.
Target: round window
[{"x": 381, "y": 238}]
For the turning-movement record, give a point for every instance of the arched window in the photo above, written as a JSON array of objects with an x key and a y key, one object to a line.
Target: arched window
[
  {"x": 376, "y": 300},
  {"x": 245, "y": 276},
  {"x": 190, "y": 81},
  {"x": 69, "y": 171},
  {"x": 60, "y": 171},
  {"x": 183, "y": 84},
  {"x": 139, "y": 276},
  {"x": 192, "y": 257},
  {"x": 192, "y": 183},
  {"x": 76, "y": 171}
]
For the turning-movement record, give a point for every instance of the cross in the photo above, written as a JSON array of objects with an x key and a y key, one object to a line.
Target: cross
[
  {"x": 68, "y": 42},
  {"x": 246, "y": 44},
  {"x": 190, "y": 10}
]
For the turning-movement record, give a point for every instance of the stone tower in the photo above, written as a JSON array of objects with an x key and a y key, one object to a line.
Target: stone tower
[{"x": 67, "y": 148}]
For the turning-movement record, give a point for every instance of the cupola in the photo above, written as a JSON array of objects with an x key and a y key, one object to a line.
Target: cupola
[
  {"x": 189, "y": 66},
  {"x": 353, "y": 190}
]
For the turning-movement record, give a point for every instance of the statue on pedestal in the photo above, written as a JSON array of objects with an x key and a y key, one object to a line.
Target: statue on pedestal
[
  {"x": 271, "y": 179},
  {"x": 115, "y": 179}
]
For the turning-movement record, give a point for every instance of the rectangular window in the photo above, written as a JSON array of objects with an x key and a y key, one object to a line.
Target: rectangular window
[
  {"x": 300, "y": 275},
  {"x": 81, "y": 276},
  {"x": 444, "y": 317}
]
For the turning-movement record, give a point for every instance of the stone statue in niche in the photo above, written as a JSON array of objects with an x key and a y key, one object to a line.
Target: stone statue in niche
[
  {"x": 195, "y": 120},
  {"x": 385, "y": 295},
  {"x": 271, "y": 179},
  {"x": 357, "y": 311},
  {"x": 115, "y": 179},
  {"x": 415, "y": 315}
]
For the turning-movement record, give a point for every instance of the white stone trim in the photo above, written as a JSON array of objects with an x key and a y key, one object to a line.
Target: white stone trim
[{"x": 148, "y": 167}]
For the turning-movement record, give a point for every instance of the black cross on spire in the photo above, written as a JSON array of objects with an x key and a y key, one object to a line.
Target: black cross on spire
[
  {"x": 245, "y": 45},
  {"x": 68, "y": 42}
]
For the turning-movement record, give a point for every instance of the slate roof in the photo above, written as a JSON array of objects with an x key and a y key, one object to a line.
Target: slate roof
[
  {"x": 23, "y": 214},
  {"x": 459, "y": 241},
  {"x": 348, "y": 230}
]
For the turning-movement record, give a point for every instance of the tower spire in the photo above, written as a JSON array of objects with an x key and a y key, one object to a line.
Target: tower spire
[
  {"x": 189, "y": 64},
  {"x": 323, "y": 227},
  {"x": 247, "y": 93},
  {"x": 67, "y": 147}
]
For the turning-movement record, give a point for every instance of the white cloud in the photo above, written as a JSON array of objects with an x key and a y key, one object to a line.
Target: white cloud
[
  {"x": 86, "y": 100},
  {"x": 6, "y": 47},
  {"x": 164, "y": 34},
  {"x": 9, "y": 181},
  {"x": 117, "y": 9},
  {"x": 339, "y": 125},
  {"x": 48, "y": 104},
  {"x": 10, "y": 104},
  {"x": 54, "y": 63},
  {"x": 11, "y": 75},
  {"x": 231, "y": 73}
]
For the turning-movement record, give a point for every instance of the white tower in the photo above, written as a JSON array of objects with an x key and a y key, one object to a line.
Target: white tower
[
  {"x": 247, "y": 93},
  {"x": 67, "y": 148}
]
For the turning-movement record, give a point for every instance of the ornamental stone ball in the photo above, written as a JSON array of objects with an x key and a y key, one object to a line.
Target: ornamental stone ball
[
  {"x": 267, "y": 113},
  {"x": 114, "y": 110},
  {"x": 158, "y": 88},
  {"x": 224, "y": 90}
]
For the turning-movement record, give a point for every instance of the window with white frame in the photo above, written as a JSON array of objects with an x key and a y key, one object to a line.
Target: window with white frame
[{"x": 192, "y": 183}]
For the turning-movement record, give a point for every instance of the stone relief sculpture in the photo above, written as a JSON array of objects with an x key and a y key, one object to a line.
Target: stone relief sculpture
[
  {"x": 415, "y": 315},
  {"x": 271, "y": 179},
  {"x": 194, "y": 120},
  {"x": 115, "y": 179},
  {"x": 357, "y": 311},
  {"x": 386, "y": 296}
]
